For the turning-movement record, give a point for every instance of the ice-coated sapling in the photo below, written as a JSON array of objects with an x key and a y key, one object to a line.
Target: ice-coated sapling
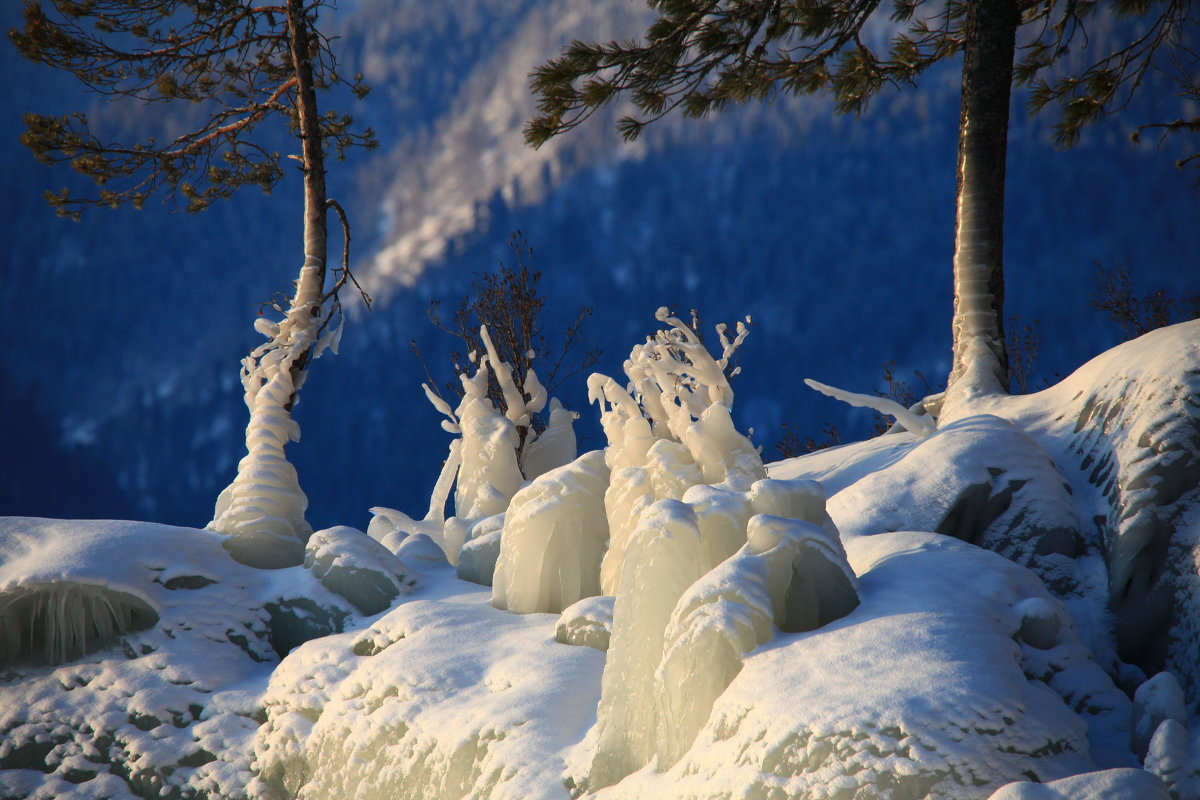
[
  {"x": 553, "y": 447},
  {"x": 389, "y": 526},
  {"x": 670, "y": 429},
  {"x": 920, "y": 424},
  {"x": 489, "y": 474},
  {"x": 553, "y": 539}
]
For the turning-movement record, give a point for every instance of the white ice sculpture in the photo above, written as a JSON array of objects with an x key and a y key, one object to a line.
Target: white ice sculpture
[
  {"x": 553, "y": 447},
  {"x": 664, "y": 560},
  {"x": 489, "y": 474},
  {"x": 668, "y": 472},
  {"x": 390, "y": 527},
  {"x": 553, "y": 539},
  {"x": 483, "y": 465},
  {"x": 723, "y": 513},
  {"x": 262, "y": 510},
  {"x": 669, "y": 430},
  {"x": 752, "y": 570},
  {"x": 792, "y": 574}
]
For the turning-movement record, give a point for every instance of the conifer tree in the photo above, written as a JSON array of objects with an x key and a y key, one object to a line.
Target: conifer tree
[
  {"x": 232, "y": 65},
  {"x": 699, "y": 56}
]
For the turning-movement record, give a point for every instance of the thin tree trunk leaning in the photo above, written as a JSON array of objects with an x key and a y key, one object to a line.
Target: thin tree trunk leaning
[
  {"x": 980, "y": 365},
  {"x": 262, "y": 510},
  {"x": 315, "y": 200}
]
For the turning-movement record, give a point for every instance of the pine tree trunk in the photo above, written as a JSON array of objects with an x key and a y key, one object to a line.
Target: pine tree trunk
[
  {"x": 262, "y": 510},
  {"x": 980, "y": 364},
  {"x": 310, "y": 286}
]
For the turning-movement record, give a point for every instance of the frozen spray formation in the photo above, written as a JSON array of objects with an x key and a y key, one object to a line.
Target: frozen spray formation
[{"x": 262, "y": 511}]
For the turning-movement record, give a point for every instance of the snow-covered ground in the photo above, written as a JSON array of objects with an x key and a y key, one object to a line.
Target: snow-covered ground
[{"x": 1005, "y": 607}]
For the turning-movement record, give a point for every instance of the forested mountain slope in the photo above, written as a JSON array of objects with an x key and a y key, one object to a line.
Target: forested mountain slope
[{"x": 833, "y": 233}]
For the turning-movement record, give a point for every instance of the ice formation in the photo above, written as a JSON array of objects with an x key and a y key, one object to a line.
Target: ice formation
[
  {"x": 554, "y": 446},
  {"x": 663, "y": 560},
  {"x": 389, "y": 526},
  {"x": 714, "y": 625},
  {"x": 262, "y": 510},
  {"x": 553, "y": 538},
  {"x": 670, "y": 430},
  {"x": 493, "y": 456},
  {"x": 809, "y": 582},
  {"x": 57, "y": 622},
  {"x": 489, "y": 474},
  {"x": 911, "y": 421}
]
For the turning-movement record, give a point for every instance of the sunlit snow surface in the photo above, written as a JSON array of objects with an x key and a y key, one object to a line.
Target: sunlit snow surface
[{"x": 979, "y": 660}]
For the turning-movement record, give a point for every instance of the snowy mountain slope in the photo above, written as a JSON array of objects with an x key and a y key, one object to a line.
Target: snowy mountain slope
[
  {"x": 770, "y": 211},
  {"x": 955, "y": 673}
]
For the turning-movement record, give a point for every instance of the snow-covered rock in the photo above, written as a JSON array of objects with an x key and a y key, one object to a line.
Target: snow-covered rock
[
  {"x": 1111, "y": 784},
  {"x": 355, "y": 566},
  {"x": 587, "y": 622}
]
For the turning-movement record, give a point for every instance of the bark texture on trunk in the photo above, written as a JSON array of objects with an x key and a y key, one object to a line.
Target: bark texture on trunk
[
  {"x": 980, "y": 363},
  {"x": 310, "y": 138}
]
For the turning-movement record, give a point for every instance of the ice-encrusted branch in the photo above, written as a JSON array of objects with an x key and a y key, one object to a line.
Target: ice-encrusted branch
[{"x": 922, "y": 426}]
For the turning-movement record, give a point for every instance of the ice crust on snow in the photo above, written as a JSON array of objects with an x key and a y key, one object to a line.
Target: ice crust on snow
[{"x": 164, "y": 711}]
